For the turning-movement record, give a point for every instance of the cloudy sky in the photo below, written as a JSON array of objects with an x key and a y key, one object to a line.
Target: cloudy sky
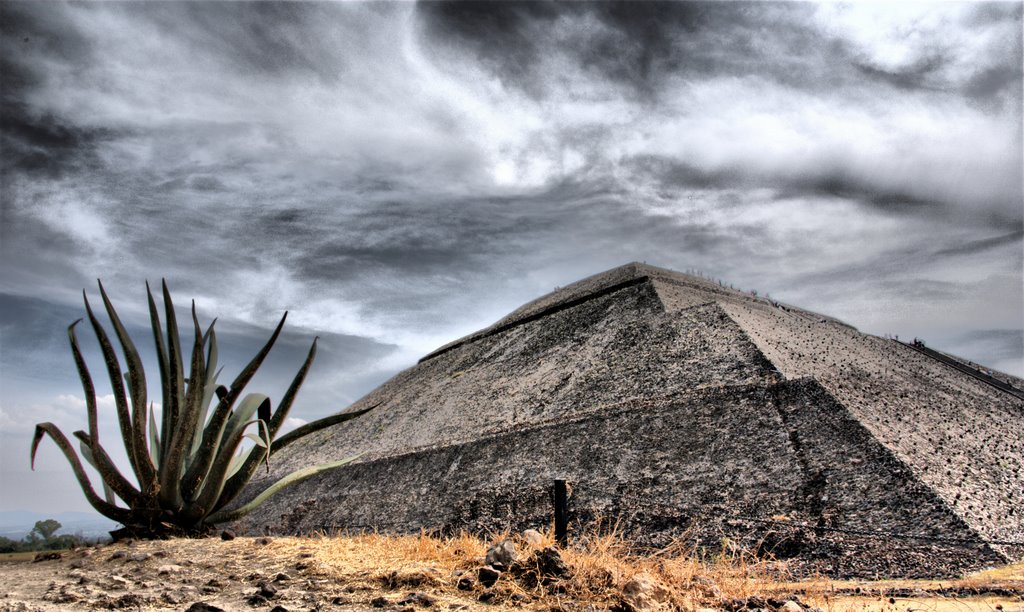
[{"x": 398, "y": 175}]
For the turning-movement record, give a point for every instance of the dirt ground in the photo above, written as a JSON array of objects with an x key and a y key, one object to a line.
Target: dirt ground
[{"x": 411, "y": 573}]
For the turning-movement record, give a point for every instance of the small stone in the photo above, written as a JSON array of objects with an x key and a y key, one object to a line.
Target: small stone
[
  {"x": 791, "y": 606},
  {"x": 267, "y": 590},
  {"x": 380, "y": 602},
  {"x": 282, "y": 577},
  {"x": 421, "y": 599},
  {"x": 542, "y": 567},
  {"x": 264, "y": 541},
  {"x": 129, "y": 600},
  {"x": 279, "y": 608},
  {"x": 502, "y": 553},
  {"x": 202, "y": 606},
  {"x": 171, "y": 597},
  {"x": 533, "y": 537},
  {"x": 118, "y": 555},
  {"x": 486, "y": 596},
  {"x": 257, "y": 600},
  {"x": 466, "y": 583},
  {"x": 341, "y": 601},
  {"x": 170, "y": 568},
  {"x": 487, "y": 576},
  {"x": 47, "y": 556},
  {"x": 227, "y": 535},
  {"x": 139, "y": 557},
  {"x": 643, "y": 592}
]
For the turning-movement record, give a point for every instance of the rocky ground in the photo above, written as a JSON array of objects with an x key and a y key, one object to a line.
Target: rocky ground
[{"x": 463, "y": 573}]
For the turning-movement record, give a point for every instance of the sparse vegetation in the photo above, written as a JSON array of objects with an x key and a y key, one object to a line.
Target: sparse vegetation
[
  {"x": 192, "y": 465},
  {"x": 428, "y": 571},
  {"x": 43, "y": 536}
]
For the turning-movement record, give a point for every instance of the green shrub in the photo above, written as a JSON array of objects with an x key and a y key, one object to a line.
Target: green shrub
[{"x": 188, "y": 468}]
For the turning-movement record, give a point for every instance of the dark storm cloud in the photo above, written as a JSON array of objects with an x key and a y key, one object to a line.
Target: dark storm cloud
[
  {"x": 636, "y": 44},
  {"x": 32, "y": 141},
  {"x": 917, "y": 76},
  {"x": 984, "y": 244}
]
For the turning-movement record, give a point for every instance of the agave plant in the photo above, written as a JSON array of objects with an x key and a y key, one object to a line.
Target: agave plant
[{"x": 192, "y": 464}]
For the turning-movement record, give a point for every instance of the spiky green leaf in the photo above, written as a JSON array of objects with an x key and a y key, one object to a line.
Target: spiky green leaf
[
  {"x": 293, "y": 478},
  {"x": 108, "y": 510},
  {"x": 136, "y": 377}
]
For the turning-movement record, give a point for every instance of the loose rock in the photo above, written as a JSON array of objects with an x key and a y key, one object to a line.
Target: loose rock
[
  {"x": 202, "y": 606},
  {"x": 544, "y": 566},
  {"x": 47, "y": 556},
  {"x": 168, "y": 569},
  {"x": 533, "y": 537},
  {"x": 487, "y": 575},
  {"x": 421, "y": 599},
  {"x": 644, "y": 592},
  {"x": 501, "y": 554}
]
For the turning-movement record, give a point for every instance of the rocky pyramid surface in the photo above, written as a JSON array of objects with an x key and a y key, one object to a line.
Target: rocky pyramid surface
[{"x": 677, "y": 407}]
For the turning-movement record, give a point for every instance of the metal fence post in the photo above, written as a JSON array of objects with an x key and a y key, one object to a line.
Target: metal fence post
[{"x": 561, "y": 513}]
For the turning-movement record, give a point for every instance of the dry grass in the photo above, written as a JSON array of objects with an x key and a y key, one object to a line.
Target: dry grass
[
  {"x": 368, "y": 571},
  {"x": 601, "y": 565}
]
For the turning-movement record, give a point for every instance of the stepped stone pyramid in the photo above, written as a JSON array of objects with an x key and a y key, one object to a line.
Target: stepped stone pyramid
[{"x": 675, "y": 407}]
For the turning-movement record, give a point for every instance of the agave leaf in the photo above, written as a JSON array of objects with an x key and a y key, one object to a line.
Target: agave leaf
[
  {"x": 317, "y": 425},
  {"x": 236, "y": 461},
  {"x": 109, "y": 472},
  {"x": 264, "y": 411},
  {"x": 108, "y": 510},
  {"x": 212, "y": 373},
  {"x": 165, "y": 383},
  {"x": 211, "y": 352},
  {"x": 202, "y": 421},
  {"x": 214, "y": 483},
  {"x": 215, "y": 432},
  {"x": 176, "y": 375},
  {"x": 265, "y": 432},
  {"x": 87, "y": 386},
  {"x": 154, "y": 437},
  {"x": 184, "y": 427},
  {"x": 240, "y": 478},
  {"x": 257, "y": 439},
  {"x": 197, "y": 477},
  {"x": 290, "y": 479},
  {"x": 108, "y": 493},
  {"x": 124, "y": 418},
  {"x": 136, "y": 377}
]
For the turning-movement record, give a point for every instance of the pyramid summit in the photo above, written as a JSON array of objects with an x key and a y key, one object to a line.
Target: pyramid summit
[{"x": 677, "y": 407}]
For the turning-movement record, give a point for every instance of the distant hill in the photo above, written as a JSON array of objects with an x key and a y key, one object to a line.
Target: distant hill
[{"x": 17, "y": 523}]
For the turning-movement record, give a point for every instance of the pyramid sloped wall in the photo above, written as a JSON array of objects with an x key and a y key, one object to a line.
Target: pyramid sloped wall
[
  {"x": 617, "y": 347},
  {"x": 715, "y": 463},
  {"x": 958, "y": 435},
  {"x": 613, "y": 381}
]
